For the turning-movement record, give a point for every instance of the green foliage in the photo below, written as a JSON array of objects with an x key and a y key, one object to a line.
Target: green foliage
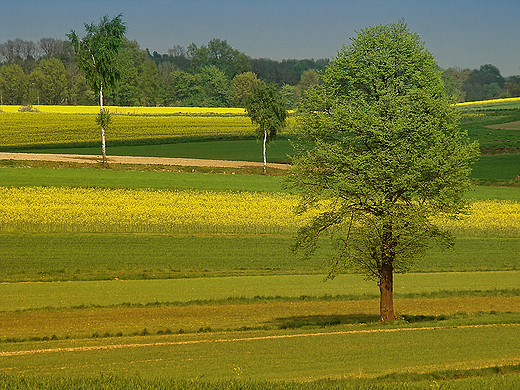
[
  {"x": 97, "y": 52},
  {"x": 483, "y": 83},
  {"x": 309, "y": 78},
  {"x": 266, "y": 109},
  {"x": 244, "y": 84},
  {"x": 104, "y": 119},
  {"x": 13, "y": 84},
  {"x": 220, "y": 54},
  {"x": 50, "y": 80},
  {"x": 383, "y": 145}
]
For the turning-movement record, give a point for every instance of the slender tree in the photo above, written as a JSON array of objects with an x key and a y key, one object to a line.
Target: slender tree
[
  {"x": 266, "y": 108},
  {"x": 97, "y": 55},
  {"x": 381, "y": 153}
]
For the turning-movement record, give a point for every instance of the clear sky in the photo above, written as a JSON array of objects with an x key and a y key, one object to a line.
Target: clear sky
[{"x": 462, "y": 33}]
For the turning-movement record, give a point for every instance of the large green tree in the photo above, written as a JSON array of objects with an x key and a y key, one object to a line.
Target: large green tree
[
  {"x": 485, "y": 82},
  {"x": 243, "y": 84},
  {"x": 220, "y": 54},
  {"x": 381, "y": 153},
  {"x": 13, "y": 84},
  {"x": 98, "y": 56},
  {"x": 50, "y": 79}
]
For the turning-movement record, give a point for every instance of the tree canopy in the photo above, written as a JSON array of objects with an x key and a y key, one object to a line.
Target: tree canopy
[
  {"x": 380, "y": 153},
  {"x": 97, "y": 52}
]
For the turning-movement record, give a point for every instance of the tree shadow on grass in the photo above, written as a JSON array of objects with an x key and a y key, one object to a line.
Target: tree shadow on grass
[{"x": 323, "y": 320}]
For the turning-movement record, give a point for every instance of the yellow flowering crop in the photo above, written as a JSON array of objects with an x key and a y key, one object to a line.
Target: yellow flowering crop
[
  {"x": 492, "y": 218},
  {"x": 490, "y": 101},
  {"x": 130, "y": 110},
  {"x": 23, "y": 129},
  {"x": 53, "y": 209}
]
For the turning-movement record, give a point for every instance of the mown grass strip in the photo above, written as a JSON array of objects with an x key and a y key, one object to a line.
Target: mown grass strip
[
  {"x": 351, "y": 355},
  {"x": 83, "y": 257},
  {"x": 40, "y": 173},
  {"x": 159, "y": 178},
  {"x": 20, "y": 296}
]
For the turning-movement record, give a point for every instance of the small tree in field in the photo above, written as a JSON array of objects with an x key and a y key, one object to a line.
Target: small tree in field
[
  {"x": 381, "y": 153},
  {"x": 266, "y": 108},
  {"x": 98, "y": 54}
]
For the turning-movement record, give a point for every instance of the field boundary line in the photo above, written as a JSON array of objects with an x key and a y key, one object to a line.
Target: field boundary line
[
  {"x": 95, "y": 159},
  {"x": 229, "y": 340}
]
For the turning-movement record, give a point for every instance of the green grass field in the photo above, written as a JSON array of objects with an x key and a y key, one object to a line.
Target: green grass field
[
  {"x": 29, "y": 173},
  {"x": 239, "y": 150},
  {"x": 236, "y": 311},
  {"x": 62, "y": 257}
]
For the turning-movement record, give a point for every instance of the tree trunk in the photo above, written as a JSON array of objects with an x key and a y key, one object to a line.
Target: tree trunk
[
  {"x": 386, "y": 286},
  {"x": 386, "y": 283},
  {"x": 264, "y": 150},
  {"x": 103, "y": 142}
]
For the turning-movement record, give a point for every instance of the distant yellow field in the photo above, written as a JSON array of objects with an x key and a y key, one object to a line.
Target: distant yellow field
[
  {"x": 490, "y": 101},
  {"x": 129, "y": 110}
]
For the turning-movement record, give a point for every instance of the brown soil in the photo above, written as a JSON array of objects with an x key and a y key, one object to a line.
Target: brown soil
[{"x": 94, "y": 159}]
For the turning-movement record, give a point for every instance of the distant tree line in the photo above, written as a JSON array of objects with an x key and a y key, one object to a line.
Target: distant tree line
[{"x": 214, "y": 74}]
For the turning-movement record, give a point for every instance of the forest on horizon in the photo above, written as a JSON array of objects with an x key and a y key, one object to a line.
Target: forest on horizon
[{"x": 210, "y": 75}]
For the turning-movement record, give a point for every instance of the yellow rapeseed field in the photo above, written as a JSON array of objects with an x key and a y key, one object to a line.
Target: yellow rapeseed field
[
  {"x": 63, "y": 209},
  {"x": 490, "y": 101},
  {"x": 129, "y": 110},
  {"x": 53, "y": 209},
  {"x": 491, "y": 217},
  {"x": 25, "y": 129}
]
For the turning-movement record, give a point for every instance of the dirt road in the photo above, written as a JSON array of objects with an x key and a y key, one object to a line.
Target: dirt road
[{"x": 95, "y": 159}]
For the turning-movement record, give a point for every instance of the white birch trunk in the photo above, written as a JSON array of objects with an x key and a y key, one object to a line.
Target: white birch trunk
[
  {"x": 265, "y": 158},
  {"x": 103, "y": 142}
]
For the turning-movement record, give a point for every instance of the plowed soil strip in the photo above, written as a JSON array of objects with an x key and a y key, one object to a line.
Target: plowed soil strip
[
  {"x": 94, "y": 159},
  {"x": 208, "y": 341}
]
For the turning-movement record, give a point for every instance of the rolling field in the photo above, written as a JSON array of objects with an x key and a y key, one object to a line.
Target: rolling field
[{"x": 145, "y": 277}]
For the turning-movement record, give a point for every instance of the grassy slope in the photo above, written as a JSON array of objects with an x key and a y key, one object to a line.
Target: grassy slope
[{"x": 105, "y": 293}]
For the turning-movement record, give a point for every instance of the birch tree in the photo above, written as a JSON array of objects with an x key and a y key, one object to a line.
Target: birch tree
[
  {"x": 380, "y": 154},
  {"x": 266, "y": 108},
  {"x": 98, "y": 56}
]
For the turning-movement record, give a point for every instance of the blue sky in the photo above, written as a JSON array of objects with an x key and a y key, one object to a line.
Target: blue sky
[{"x": 463, "y": 33}]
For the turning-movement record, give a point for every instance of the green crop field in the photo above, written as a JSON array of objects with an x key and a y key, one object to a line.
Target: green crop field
[{"x": 160, "y": 277}]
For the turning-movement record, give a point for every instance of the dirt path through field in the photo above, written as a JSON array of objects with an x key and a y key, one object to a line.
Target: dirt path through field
[
  {"x": 96, "y": 159},
  {"x": 229, "y": 340}
]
